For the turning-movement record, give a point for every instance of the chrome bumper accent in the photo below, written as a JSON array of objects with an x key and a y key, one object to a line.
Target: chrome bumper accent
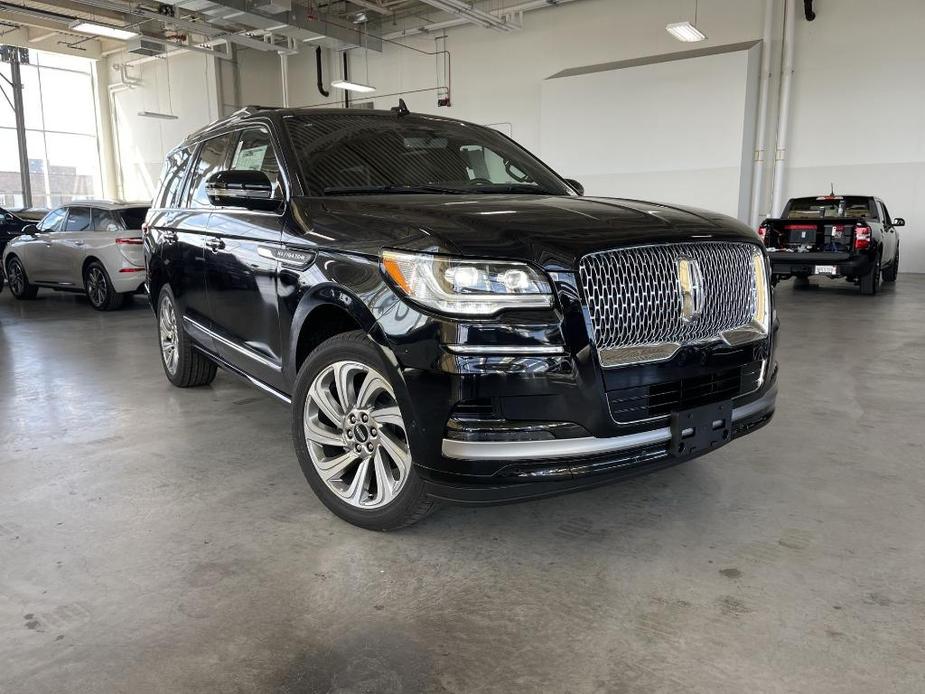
[
  {"x": 506, "y": 350},
  {"x": 586, "y": 445}
]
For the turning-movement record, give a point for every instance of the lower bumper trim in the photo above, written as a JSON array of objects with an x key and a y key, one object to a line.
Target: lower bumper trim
[{"x": 583, "y": 446}]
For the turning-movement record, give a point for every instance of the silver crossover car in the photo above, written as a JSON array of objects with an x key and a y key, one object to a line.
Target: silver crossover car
[{"x": 88, "y": 246}]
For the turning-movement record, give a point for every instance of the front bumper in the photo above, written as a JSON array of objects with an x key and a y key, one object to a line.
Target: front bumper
[
  {"x": 804, "y": 264},
  {"x": 548, "y": 418}
]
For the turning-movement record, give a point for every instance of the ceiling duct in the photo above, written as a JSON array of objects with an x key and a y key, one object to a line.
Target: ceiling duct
[
  {"x": 142, "y": 45},
  {"x": 298, "y": 23}
]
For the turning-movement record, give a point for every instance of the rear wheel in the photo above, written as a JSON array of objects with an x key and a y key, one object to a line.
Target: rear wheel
[
  {"x": 183, "y": 365},
  {"x": 20, "y": 286},
  {"x": 889, "y": 275},
  {"x": 870, "y": 283},
  {"x": 350, "y": 434},
  {"x": 100, "y": 290}
]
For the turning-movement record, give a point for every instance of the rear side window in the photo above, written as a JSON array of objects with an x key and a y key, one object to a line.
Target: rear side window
[
  {"x": 106, "y": 220},
  {"x": 78, "y": 219},
  {"x": 133, "y": 217},
  {"x": 53, "y": 221},
  {"x": 172, "y": 178},
  {"x": 212, "y": 157}
]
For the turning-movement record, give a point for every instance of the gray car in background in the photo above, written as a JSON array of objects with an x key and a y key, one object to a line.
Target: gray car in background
[{"x": 88, "y": 246}]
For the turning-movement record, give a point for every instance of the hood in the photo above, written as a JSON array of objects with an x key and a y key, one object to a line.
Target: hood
[{"x": 550, "y": 231}]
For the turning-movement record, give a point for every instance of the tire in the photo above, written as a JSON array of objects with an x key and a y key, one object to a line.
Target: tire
[
  {"x": 889, "y": 275},
  {"x": 18, "y": 280},
  {"x": 184, "y": 366},
  {"x": 800, "y": 282},
  {"x": 870, "y": 283},
  {"x": 99, "y": 289},
  {"x": 348, "y": 397}
]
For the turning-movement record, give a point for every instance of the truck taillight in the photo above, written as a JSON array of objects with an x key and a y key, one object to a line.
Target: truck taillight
[
  {"x": 861, "y": 237},
  {"x": 763, "y": 232}
]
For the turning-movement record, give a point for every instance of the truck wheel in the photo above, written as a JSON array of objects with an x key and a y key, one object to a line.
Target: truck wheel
[
  {"x": 870, "y": 283},
  {"x": 350, "y": 428},
  {"x": 184, "y": 366},
  {"x": 889, "y": 275},
  {"x": 20, "y": 286}
]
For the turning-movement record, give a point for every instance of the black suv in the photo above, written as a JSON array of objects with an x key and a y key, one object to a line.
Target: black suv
[{"x": 450, "y": 319}]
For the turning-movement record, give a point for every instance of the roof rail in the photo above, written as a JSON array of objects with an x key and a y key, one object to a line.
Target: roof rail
[{"x": 242, "y": 112}]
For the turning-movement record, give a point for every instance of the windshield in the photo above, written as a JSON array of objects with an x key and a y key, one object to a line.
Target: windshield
[
  {"x": 830, "y": 207},
  {"x": 356, "y": 154}
]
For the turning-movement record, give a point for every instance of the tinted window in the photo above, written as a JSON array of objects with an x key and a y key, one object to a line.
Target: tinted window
[
  {"x": 828, "y": 206},
  {"x": 348, "y": 151},
  {"x": 106, "y": 220},
  {"x": 134, "y": 217},
  {"x": 172, "y": 178},
  {"x": 53, "y": 221},
  {"x": 254, "y": 152},
  {"x": 78, "y": 219},
  {"x": 211, "y": 159}
]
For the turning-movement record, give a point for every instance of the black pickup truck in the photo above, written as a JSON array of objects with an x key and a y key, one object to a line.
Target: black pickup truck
[{"x": 849, "y": 236}]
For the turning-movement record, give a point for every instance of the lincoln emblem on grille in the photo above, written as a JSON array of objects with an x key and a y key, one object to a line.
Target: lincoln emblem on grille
[{"x": 690, "y": 282}]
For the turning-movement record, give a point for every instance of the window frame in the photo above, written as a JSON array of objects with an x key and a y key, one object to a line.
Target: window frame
[
  {"x": 223, "y": 166},
  {"x": 261, "y": 127},
  {"x": 70, "y": 209}
]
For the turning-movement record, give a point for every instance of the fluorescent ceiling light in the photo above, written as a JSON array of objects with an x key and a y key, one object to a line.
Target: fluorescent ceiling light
[
  {"x": 110, "y": 32},
  {"x": 155, "y": 114},
  {"x": 685, "y": 31},
  {"x": 352, "y": 86}
]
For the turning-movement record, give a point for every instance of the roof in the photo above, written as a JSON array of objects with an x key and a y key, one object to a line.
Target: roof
[
  {"x": 107, "y": 204},
  {"x": 247, "y": 113}
]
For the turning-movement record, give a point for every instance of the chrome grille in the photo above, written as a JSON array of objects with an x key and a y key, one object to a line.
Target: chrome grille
[{"x": 635, "y": 302}]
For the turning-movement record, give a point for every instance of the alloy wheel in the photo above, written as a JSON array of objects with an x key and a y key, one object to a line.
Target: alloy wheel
[
  {"x": 167, "y": 325},
  {"x": 355, "y": 434},
  {"x": 16, "y": 278},
  {"x": 97, "y": 286}
]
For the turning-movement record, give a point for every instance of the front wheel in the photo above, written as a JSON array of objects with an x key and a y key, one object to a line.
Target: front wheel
[
  {"x": 351, "y": 435},
  {"x": 20, "y": 286}
]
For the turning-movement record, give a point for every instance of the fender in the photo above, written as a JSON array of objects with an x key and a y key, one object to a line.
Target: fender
[{"x": 353, "y": 285}]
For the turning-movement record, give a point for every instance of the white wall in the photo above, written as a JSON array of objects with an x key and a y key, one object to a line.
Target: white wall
[
  {"x": 858, "y": 97},
  {"x": 646, "y": 146},
  {"x": 139, "y": 143}
]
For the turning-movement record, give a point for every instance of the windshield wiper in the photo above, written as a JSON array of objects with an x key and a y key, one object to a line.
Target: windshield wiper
[{"x": 373, "y": 190}]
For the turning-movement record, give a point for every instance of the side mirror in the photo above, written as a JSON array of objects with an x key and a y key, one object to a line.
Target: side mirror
[
  {"x": 580, "y": 189},
  {"x": 899, "y": 222},
  {"x": 241, "y": 188},
  {"x": 29, "y": 229}
]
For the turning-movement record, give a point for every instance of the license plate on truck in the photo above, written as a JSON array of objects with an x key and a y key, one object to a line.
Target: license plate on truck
[{"x": 825, "y": 270}]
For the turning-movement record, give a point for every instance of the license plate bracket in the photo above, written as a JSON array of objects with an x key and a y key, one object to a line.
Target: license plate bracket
[
  {"x": 825, "y": 270},
  {"x": 701, "y": 429}
]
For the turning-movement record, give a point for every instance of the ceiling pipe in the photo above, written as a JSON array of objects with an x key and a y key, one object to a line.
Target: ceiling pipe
[
  {"x": 783, "y": 119},
  {"x": 450, "y": 23},
  {"x": 808, "y": 10},
  {"x": 321, "y": 88}
]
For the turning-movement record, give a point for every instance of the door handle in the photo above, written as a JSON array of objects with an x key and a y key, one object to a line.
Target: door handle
[
  {"x": 78, "y": 243},
  {"x": 215, "y": 245}
]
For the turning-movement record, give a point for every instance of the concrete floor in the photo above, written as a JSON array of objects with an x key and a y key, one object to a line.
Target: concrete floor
[{"x": 159, "y": 540}]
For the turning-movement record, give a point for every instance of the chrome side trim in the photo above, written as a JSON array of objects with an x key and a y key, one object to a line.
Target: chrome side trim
[
  {"x": 272, "y": 391},
  {"x": 586, "y": 445},
  {"x": 505, "y": 349},
  {"x": 249, "y": 353}
]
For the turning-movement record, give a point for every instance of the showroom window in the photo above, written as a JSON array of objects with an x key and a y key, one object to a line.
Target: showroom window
[{"x": 61, "y": 133}]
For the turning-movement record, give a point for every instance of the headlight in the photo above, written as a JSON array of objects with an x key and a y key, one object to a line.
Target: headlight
[
  {"x": 761, "y": 299},
  {"x": 467, "y": 287}
]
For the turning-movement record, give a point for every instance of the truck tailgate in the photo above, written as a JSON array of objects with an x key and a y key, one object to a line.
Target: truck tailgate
[{"x": 812, "y": 235}]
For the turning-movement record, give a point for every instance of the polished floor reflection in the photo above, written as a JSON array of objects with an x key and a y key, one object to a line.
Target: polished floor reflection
[{"x": 153, "y": 539}]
